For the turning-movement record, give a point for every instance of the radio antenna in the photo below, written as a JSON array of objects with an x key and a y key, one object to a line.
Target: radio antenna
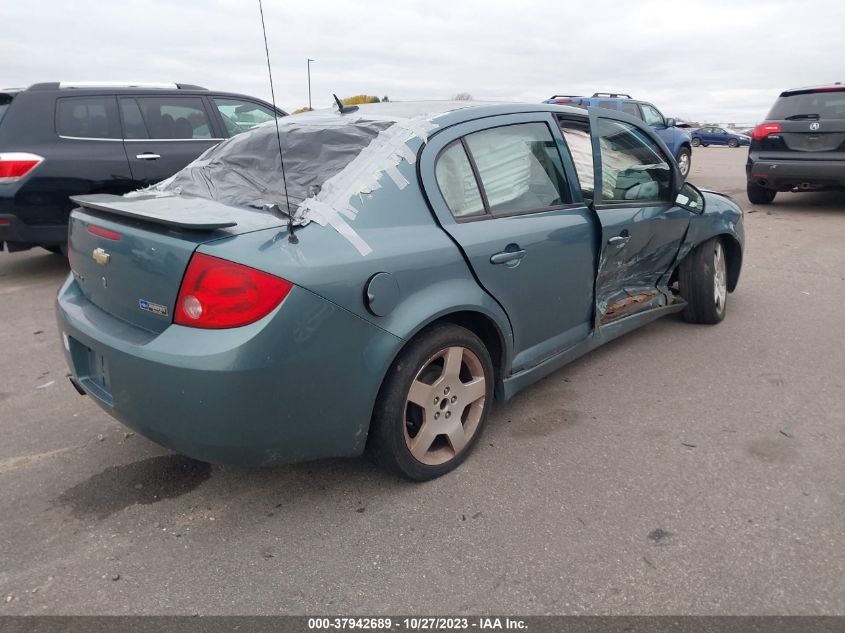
[{"x": 291, "y": 235}]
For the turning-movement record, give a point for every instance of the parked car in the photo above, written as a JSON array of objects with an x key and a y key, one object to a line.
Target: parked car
[
  {"x": 676, "y": 138},
  {"x": 63, "y": 139},
  {"x": 714, "y": 135},
  {"x": 435, "y": 257},
  {"x": 801, "y": 144}
]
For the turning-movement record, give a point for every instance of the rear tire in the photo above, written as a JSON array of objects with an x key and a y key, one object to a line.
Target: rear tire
[
  {"x": 702, "y": 280},
  {"x": 759, "y": 195},
  {"x": 433, "y": 403},
  {"x": 696, "y": 142}
]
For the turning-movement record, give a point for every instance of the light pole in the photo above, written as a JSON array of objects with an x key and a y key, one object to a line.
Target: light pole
[{"x": 309, "y": 82}]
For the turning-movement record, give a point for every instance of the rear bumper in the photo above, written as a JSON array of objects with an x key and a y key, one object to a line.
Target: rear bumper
[
  {"x": 785, "y": 175},
  {"x": 299, "y": 384},
  {"x": 19, "y": 236}
]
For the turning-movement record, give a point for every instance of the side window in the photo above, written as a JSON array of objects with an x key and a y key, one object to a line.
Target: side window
[
  {"x": 239, "y": 116},
  {"x": 86, "y": 117},
  {"x": 651, "y": 115},
  {"x": 608, "y": 105},
  {"x": 174, "y": 117},
  {"x": 519, "y": 167},
  {"x": 133, "y": 122},
  {"x": 457, "y": 182},
  {"x": 633, "y": 167},
  {"x": 577, "y": 137},
  {"x": 631, "y": 108}
]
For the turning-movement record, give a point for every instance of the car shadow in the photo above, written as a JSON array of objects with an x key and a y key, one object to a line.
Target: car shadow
[
  {"x": 832, "y": 202},
  {"x": 36, "y": 265}
]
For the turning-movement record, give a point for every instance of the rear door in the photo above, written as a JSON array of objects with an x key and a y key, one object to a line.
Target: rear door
[
  {"x": 642, "y": 229},
  {"x": 162, "y": 134},
  {"x": 501, "y": 188}
]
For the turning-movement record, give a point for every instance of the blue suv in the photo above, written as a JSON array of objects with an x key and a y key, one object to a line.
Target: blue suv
[{"x": 677, "y": 140}]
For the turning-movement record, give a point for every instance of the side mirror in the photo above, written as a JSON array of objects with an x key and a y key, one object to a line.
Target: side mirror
[
  {"x": 690, "y": 198},
  {"x": 670, "y": 122}
]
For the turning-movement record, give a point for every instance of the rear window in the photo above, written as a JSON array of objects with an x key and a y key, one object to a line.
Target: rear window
[
  {"x": 811, "y": 105},
  {"x": 246, "y": 170}
]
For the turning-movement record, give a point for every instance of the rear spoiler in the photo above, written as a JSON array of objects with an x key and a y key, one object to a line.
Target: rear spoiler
[{"x": 189, "y": 214}]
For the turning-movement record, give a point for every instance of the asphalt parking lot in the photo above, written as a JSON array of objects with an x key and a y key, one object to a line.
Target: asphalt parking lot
[{"x": 682, "y": 469}]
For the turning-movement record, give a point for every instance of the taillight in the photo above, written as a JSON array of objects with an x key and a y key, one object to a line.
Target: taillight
[
  {"x": 16, "y": 165},
  {"x": 217, "y": 293},
  {"x": 764, "y": 129}
]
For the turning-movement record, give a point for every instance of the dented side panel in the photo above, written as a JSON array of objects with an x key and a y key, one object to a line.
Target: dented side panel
[{"x": 639, "y": 245}]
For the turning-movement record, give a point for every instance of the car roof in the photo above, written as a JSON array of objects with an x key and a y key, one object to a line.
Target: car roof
[
  {"x": 441, "y": 113},
  {"x": 821, "y": 88}
]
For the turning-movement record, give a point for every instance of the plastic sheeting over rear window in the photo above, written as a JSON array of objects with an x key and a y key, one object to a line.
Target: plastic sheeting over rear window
[{"x": 246, "y": 169}]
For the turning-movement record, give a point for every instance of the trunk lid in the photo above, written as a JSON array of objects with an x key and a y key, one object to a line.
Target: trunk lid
[{"x": 128, "y": 255}]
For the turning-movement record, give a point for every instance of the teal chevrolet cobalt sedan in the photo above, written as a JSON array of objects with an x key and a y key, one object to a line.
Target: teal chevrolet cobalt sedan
[{"x": 416, "y": 263}]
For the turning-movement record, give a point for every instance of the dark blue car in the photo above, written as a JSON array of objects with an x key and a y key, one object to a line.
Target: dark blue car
[
  {"x": 712, "y": 135},
  {"x": 676, "y": 139}
]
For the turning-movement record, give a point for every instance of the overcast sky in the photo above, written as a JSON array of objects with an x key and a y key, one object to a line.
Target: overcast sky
[{"x": 713, "y": 61}]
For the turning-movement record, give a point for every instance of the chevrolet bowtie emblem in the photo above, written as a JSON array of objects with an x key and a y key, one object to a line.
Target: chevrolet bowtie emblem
[{"x": 100, "y": 256}]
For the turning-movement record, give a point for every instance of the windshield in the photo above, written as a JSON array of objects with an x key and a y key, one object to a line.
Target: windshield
[{"x": 827, "y": 105}]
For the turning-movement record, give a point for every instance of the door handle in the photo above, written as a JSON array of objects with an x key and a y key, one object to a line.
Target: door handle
[
  {"x": 148, "y": 156},
  {"x": 619, "y": 241},
  {"x": 506, "y": 257}
]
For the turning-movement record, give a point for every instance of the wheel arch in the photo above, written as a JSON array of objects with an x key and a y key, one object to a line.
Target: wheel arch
[
  {"x": 476, "y": 321},
  {"x": 733, "y": 252}
]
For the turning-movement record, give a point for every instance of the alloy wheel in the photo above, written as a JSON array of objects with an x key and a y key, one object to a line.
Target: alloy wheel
[
  {"x": 683, "y": 163},
  {"x": 445, "y": 405}
]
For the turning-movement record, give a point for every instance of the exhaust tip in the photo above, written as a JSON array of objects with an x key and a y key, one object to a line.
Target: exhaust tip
[{"x": 77, "y": 386}]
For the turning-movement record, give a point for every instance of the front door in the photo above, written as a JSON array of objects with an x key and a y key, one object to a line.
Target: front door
[
  {"x": 163, "y": 134},
  {"x": 499, "y": 188},
  {"x": 642, "y": 229}
]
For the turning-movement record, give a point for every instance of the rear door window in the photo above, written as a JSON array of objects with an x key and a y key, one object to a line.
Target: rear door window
[
  {"x": 166, "y": 118},
  {"x": 608, "y": 105},
  {"x": 457, "y": 182},
  {"x": 578, "y": 140},
  {"x": 519, "y": 167},
  {"x": 239, "y": 115},
  {"x": 87, "y": 117},
  {"x": 631, "y": 108}
]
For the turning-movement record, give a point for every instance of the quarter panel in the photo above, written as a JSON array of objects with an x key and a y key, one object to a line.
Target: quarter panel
[{"x": 298, "y": 384}]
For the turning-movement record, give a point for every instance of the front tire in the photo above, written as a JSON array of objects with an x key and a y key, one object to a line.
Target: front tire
[
  {"x": 760, "y": 195},
  {"x": 702, "y": 280},
  {"x": 696, "y": 142},
  {"x": 733, "y": 143},
  {"x": 684, "y": 159},
  {"x": 433, "y": 403}
]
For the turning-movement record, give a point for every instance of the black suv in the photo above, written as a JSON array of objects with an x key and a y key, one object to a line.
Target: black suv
[
  {"x": 801, "y": 144},
  {"x": 62, "y": 139}
]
